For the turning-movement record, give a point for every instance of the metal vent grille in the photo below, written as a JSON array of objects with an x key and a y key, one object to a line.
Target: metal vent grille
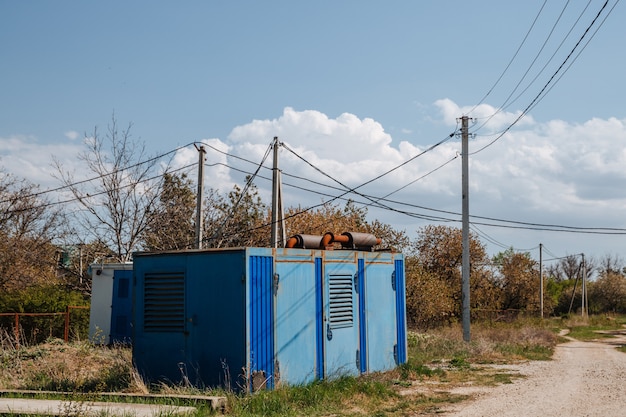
[
  {"x": 340, "y": 301},
  {"x": 164, "y": 302}
]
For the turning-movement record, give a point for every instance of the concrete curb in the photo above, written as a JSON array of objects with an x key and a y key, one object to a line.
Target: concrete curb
[{"x": 89, "y": 408}]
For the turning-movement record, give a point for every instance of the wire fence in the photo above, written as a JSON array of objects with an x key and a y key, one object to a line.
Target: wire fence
[{"x": 34, "y": 328}]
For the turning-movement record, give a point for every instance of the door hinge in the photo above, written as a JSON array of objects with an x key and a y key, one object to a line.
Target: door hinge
[
  {"x": 395, "y": 354},
  {"x": 358, "y": 359},
  {"x": 393, "y": 280},
  {"x": 356, "y": 282},
  {"x": 275, "y": 283}
]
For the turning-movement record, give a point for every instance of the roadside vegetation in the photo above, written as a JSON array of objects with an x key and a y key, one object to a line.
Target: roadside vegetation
[
  {"x": 439, "y": 369},
  {"x": 133, "y": 203},
  {"x": 438, "y": 361}
]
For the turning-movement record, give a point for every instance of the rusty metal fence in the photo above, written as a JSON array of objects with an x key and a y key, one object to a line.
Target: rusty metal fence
[{"x": 37, "y": 330}]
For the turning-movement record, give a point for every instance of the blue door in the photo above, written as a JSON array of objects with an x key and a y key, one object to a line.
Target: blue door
[
  {"x": 400, "y": 290},
  {"x": 340, "y": 322},
  {"x": 121, "y": 307},
  {"x": 381, "y": 312},
  {"x": 295, "y": 323},
  {"x": 261, "y": 322}
]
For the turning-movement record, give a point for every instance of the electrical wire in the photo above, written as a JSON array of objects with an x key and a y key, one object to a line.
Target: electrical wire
[
  {"x": 117, "y": 171},
  {"x": 581, "y": 50},
  {"x": 541, "y": 94},
  {"x": 375, "y": 201},
  {"x": 532, "y": 64},
  {"x": 244, "y": 191},
  {"x": 508, "y": 103},
  {"x": 511, "y": 60},
  {"x": 74, "y": 199}
]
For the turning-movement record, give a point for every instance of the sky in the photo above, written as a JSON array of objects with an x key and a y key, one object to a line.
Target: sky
[{"x": 355, "y": 89}]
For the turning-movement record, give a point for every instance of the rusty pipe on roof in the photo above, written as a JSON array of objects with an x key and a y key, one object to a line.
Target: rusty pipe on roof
[
  {"x": 304, "y": 241},
  {"x": 348, "y": 240},
  {"x": 357, "y": 240},
  {"x": 330, "y": 238},
  {"x": 351, "y": 240}
]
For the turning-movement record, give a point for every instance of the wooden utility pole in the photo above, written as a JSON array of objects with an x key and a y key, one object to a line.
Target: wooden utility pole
[
  {"x": 199, "y": 219},
  {"x": 465, "y": 279},
  {"x": 278, "y": 227},
  {"x": 583, "y": 295},
  {"x": 541, "y": 279}
]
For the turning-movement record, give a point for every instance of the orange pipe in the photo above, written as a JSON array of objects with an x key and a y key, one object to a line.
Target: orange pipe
[{"x": 329, "y": 238}]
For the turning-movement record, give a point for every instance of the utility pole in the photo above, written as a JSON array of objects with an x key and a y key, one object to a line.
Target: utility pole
[
  {"x": 278, "y": 226},
  {"x": 541, "y": 278},
  {"x": 199, "y": 226},
  {"x": 465, "y": 268},
  {"x": 583, "y": 287}
]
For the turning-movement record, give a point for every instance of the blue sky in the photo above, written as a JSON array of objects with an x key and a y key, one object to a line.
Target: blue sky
[{"x": 356, "y": 87}]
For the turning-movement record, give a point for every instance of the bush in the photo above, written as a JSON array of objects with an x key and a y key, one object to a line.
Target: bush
[{"x": 44, "y": 299}]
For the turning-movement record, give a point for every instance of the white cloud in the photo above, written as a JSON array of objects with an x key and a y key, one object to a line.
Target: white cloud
[
  {"x": 486, "y": 117},
  {"x": 550, "y": 173},
  {"x": 72, "y": 135},
  {"x": 25, "y": 157}
]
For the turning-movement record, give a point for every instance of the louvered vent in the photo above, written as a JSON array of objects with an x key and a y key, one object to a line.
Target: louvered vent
[
  {"x": 341, "y": 301},
  {"x": 164, "y": 302}
]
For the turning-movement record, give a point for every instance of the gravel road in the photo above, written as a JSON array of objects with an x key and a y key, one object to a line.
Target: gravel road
[{"x": 583, "y": 379}]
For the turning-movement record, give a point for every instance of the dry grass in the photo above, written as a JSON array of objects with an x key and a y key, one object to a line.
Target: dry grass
[
  {"x": 68, "y": 367},
  {"x": 439, "y": 362}
]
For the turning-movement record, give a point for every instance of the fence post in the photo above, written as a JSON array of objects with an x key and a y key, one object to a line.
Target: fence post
[
  {"x": 17, "y": 330},
  {"x": 66, "y": 335}
]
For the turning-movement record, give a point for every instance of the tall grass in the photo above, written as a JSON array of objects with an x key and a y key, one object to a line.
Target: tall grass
[{"x": 437, "y": 356}]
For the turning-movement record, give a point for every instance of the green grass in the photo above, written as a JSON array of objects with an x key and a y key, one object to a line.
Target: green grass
[
  {"x": 363, "y": 395},
  {"x": 437, "y": 361},
  {"x": 594, "y": 327}
]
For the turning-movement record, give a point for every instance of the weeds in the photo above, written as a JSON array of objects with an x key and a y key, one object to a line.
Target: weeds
[
  {"x": 437, "y": 360},
  {"x": 594, "y": 327}
]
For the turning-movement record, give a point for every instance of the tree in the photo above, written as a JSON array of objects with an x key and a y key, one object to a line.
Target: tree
[
  {"x": 610, "y": 264},
  {"x": 569, "y": 267},
  {"x": 241, "y": 219},
  {"x": 608, "y": 293},
  {"x": 173, "y": 217},
  {"x": 28, "y": 226},
  {"x": 438, "y": 252},
  {"x": 429, "y": 300},
  {"x": 75, "y": 262},
  {"x": 116, "y": 206},
  {"x": 326, "y": 218},
  {"x": 518, "y": 276},
  {"x": 335, "y": 219},
  {"x": 563, "y": 282}
]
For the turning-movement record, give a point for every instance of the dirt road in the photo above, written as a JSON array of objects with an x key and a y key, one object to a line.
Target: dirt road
[{"x": 583, "y": 379}]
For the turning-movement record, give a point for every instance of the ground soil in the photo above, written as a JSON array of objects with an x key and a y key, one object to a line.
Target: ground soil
[{"x": 583, "y": 379}]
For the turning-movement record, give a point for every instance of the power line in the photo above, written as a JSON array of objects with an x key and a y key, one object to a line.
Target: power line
[
  {"x": 511, "y": 60},
  {"x": 73, "y": 199},
  {"x": 508, "y": 103},
  {"x": 117, "y": 171},
  {"x": 375, "y": 201},
  {"x": 541, "y": 94}
]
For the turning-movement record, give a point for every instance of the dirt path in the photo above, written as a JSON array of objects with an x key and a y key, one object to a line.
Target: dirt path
[{"x": 583, "y": 379}]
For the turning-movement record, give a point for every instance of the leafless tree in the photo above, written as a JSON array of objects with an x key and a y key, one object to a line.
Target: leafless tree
[
  {"x": 28, "y": 226},
  {"x": 610, "y": 264},
  {"x": 115, "y": 203}
]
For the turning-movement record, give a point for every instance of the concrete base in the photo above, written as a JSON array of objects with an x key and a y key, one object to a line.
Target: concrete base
[{"x": 65, "y": 408}]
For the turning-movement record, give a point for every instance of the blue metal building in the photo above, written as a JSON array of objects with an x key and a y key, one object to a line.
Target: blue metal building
[{"x": 247, "y": 318}]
